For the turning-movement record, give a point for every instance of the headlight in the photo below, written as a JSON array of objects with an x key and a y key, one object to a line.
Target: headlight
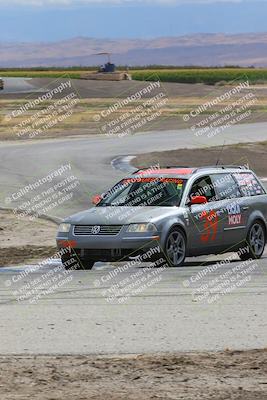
[
  {"x": 63, "y": 228},
  {"x": 142, "y": 228}
]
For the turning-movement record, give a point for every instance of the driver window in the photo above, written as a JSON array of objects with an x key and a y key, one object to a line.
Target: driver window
[{"x": 203, "y": 187}]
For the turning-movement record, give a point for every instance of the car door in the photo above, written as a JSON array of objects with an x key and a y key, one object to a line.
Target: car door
[
  {"x": 205, "y": 229},
  {"x": 233, "y": 209}
]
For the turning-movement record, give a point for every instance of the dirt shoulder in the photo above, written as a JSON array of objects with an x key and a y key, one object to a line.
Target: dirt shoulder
[
  {"x": 253, "y": 154},
  {"x": 24, "y": 241},
  {"x": 228, "y": 375}
]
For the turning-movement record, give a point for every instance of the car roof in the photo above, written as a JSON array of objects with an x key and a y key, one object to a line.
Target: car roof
[
  {"x": 187, "y": 172},
  {"x": 167, "y": 171}
]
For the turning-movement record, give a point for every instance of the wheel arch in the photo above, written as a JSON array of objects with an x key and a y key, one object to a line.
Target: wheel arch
[
  {"x": 257, "y": 216},
  {"x": 171, "y": 226},
  {"x": 181, "y": 227},
  {"x": 261, "y": 220}
]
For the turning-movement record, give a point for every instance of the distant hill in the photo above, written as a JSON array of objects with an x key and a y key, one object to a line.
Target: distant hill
[{"x": 203, "y": 49}]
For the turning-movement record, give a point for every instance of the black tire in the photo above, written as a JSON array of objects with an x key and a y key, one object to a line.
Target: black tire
[
  {"x": 72, "y": 262},
  {"x": 255, "y": 242},
  {"x": 175, "y": 247}
]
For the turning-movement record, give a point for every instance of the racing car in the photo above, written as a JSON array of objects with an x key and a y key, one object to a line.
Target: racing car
[{"x": 182, "y": 211}]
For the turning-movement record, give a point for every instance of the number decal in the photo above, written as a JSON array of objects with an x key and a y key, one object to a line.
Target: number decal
[{"x": 210, "y": 226}]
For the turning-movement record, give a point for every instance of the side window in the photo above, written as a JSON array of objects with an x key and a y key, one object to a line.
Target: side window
[
  {"x": 203, "y": 187},
  {"x": 225, "y": 186},
  {"x": 249, "y": 184}
]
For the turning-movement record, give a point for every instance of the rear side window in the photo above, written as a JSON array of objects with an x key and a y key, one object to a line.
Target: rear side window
[
  {"x": 225, "y": 186},
  {"x": 249, "y": 184}
]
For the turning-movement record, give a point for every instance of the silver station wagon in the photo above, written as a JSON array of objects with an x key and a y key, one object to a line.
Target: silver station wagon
[{"x": 181, "y": 211}]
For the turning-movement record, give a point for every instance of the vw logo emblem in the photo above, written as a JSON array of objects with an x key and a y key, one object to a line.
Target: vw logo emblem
[{"x": 96, "y": 230}]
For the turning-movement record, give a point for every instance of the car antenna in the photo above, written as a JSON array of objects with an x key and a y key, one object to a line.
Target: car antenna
[{"x": 222, "y": 149}]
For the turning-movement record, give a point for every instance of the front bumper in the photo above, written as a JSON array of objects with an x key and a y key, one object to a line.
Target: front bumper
[
  {"x": 123, "y": 240},
  {"x": 113, "y": 247}
]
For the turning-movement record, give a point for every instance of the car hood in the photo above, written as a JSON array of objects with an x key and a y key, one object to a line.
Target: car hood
[{"x": 120, "y": 215}]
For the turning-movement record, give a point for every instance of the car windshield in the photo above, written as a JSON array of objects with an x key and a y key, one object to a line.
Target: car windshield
[{"x": 145, "y": 192}]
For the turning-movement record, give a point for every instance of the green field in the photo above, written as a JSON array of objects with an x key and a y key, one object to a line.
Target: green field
[{"x": 210, "y": 76}]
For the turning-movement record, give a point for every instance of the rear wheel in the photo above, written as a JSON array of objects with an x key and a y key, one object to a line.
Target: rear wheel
[
  {"x": 175, "y": 248},
  {"x": 255, "y": 243},
  {"x": 73, "y": 262}
]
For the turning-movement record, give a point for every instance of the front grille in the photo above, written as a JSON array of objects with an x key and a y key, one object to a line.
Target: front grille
[{"x": 97, "y": 230}]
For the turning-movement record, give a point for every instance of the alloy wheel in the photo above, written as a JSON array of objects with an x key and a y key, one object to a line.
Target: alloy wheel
[
  {"x": 176, "y": 248},
  {"x": 257, "y": 239}
]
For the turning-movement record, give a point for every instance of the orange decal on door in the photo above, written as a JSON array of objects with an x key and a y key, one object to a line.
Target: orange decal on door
[{"x": 210, "y": 226}]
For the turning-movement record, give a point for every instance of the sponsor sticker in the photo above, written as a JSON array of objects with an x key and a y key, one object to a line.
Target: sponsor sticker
[
  {"x": 234, "y": 214},
  {"x": 235, "y": 219}
]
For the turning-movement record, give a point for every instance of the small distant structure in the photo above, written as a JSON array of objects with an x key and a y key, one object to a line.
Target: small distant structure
[
  {"x": 109, "y": 67},
  {"x": 1, "y": 84},
  {"x": 107, "y": 72}
]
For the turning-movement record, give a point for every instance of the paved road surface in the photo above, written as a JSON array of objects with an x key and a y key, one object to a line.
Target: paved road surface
[
  {"x": 76, "y": 318},
  {"x": 88, "y": 89},
  {"x": 165, "y": 317},
  {"x": 19, "y": 86},
  {"x": 90, "y": 159}
]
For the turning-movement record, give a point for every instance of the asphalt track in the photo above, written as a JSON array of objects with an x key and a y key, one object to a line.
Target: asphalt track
[
  {"x": 77, "y": 318},
  {"x": 90, "y": 159},
  {"x": 166, "y": 317},
  {"x": 19, "y": 86}
]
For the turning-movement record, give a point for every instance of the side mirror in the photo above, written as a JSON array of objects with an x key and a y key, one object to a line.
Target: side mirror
[
  {"x": 96, "y": 199},
  {"x": 198, "y": 200}
]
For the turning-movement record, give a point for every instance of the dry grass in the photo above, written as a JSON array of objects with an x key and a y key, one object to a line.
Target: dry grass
[{"x": 82, "y": 119}]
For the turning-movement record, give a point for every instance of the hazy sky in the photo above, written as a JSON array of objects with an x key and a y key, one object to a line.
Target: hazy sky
[{"x": 47, "y": 20}]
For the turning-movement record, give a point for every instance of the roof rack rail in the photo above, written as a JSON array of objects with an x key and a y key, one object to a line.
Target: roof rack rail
[
  {"x": 162, "y": 166},
  {"x": 174, "y": 166},
  {"x": 194, "y": 170},
  {"x": 221, "y": 167}
]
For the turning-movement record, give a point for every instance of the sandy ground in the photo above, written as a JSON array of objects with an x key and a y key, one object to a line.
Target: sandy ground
[
  {"x": 219, "y": 376},
  {"x": 252, "y": 154},
  {"x": 23, "y": 240}
]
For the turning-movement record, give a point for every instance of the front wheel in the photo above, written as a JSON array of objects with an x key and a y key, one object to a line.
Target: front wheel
[
  {"x": 256, "y": 241},
  {"x": 175, "y": 248}
]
